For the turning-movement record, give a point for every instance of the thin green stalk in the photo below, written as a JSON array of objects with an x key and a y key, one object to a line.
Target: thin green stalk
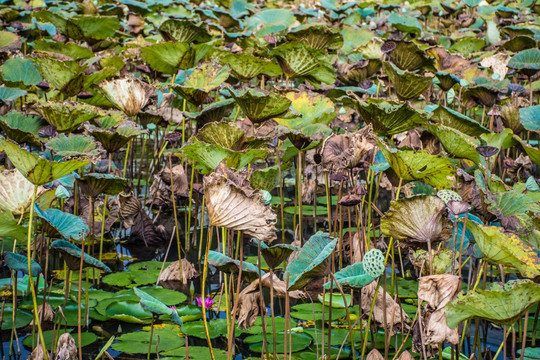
[
  {"x": 31, "y": 281},
  {"x": 188, "y": 228},
  {"x": 104, "y": 209},
  {"x": 126, "y": 159},
  {"x": 328, "y": 203},
  {"x": 225, "y": 280},
  {"x": 203, "y": 286},
  {"x": 173, "y": 197},
  {"x": 151, "y": 338}
]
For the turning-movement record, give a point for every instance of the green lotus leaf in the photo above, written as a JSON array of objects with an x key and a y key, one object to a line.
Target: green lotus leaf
[
  {"x": 509, "y": 250},
  {"x": 66, "y": 76},
  {"x": 208, "y": 156},
  {"x": 226, "y": 264},
  {"x": 94, "y": 184},
  {"x": 73, "y": 145},
  {"x": 274, "y": 255},
  {"x": 527, "y": 61},
  {"x": 71, "y": 314},
  {"x": 223, "y": 134},
  {"x": 387, "y": 117},
  {"x": 183, "y": 31},
  {"x": 216, "y": 328},
  {"x": 68, "y": 116},
  {"x": 197, "y": 352},
  {"x": 8, "y": 94},
  {"x": 446, "y": 80},
  {"x": 514, "y": 31},
  {"x": 74, "y": 51},
  {"x": 213, "y": 113},
  {"x": 532, "y": 151},
  {"x": 299, "y": 341},
  {"x": 420, "y": 218},
  {"x": 268, "y": 178},
  {"x": 408, "y": 56},
  {"x": 519, "y": 43},
  {"x": 9, "y": 41},
  {"x": 530, "y": 117},
  {"x": 198, "y": 83},
  {"x": 317, "y": 36},
  {"x": 9, "y": 227},
  {"x": 502, "y": 304},
  {"x": 36, "y": 169},
  {"x": 407, "y": 85},
  {"x": 448, "y": 117},
  {"x": 313, "y": 312},
  {"x": 59, "y": 223},
  {"x": 137, "y": 342},
  {"x": 480, "y": 95},
  {"x": 270, "y": 21},
  {"x": 355, "y": 276},
  {"x": 455, "y": 142},
  {"x": 22, "y": 128},
  {"x": 169, "y": 57},
  {"x": 313, "y": 110},
  {"x": 297, "y": 59},
  {"x": 72, "y": 255},
  {"x": 20, "y": 72},
  {"x": 22, "y": 319},
  {"x": 17, "y": 262},
  {"x": 419, "y": 165},
  {"x": 312, "y": 261},
  {"x": 259, "y": 106},
  {"x": 512, "y": 208},
  {"x": 114, "y": 139},
  {"x": 167, "y": 296},
  {"x": 406, "y": 24},
  {"x": 150, "y": 303},
  {"x": 49, "y": 336},
  {"x": 245, "y": 67},
  {"x": 468, "y": 45}
]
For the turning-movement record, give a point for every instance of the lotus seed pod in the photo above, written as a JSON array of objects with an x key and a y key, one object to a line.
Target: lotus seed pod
[
  {"x": 374, "y": 263},
  {"x": 448, "y": 195}
]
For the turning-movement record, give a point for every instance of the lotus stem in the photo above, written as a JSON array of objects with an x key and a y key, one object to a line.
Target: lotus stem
[
  {"x": 300, "y": 202},
  {"x": 281, "y": 207},
  {"x": 263, "y": 307},
  {"x": 203, "y": 285},
  {"x": 188, "y": 227},
  {"x": 351, "y": 335},
  {"x": 328, "y": 202},
  {"x": 104, "y": 209},
  {"x": 236, "y": 300},
  {"x": 126, "y": 158},
  {"x": 173, "y": 197},
  {"x": 524, "y": 337},
  {"x": 30, "y": 280},
  {"x": 225, "y": 279},
  {"x": 151, "y": 338}
]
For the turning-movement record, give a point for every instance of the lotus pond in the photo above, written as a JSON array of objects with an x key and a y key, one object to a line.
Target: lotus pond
[{"x": 238, "y": 179}]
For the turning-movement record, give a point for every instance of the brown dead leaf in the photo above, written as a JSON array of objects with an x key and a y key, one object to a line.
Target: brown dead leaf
[
  {"x": 437, "y": 291},
  {"x": 405, "y": 355},
  {"x": 66, "y": 348},
  {"x": 374, "y": 355},
  {"x": 129, "y": 208},
  {"x": 249, "y": 304},
  {"x": 174, "y": 273},
  {"x": 343, "y": 151},
  {"x": 394, "y": 312},
  {"x": 238, "y": 207},
  {"x": 37, "y": 354},
  {"x": 45, "y": 314},
  {"x": 135, "y": 23},
  {"x": 160, "y": 191}
]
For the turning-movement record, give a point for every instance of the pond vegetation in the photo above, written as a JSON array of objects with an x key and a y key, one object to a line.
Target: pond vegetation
[{"x": 241, "y": 179}]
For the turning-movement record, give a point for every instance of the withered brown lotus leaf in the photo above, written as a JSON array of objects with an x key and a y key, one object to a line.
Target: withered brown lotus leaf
[
  {"x": 174, "y": 273},
  {"x": 417, "y": 219},
  {"x": 347, "y": 150},
  {"x": 129, "y": 207},
  {"x": 129, "y": 95},
  {"x": 160, "y": 190},
  {"x": 232, "y": 203},
  {"x": 66, "y": 348},
  {"x": 394, "y": 313},
  {"x": 374, "y": 355}
]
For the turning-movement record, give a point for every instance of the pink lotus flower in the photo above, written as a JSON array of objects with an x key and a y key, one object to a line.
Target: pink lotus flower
[{"x": 208, "y": 302}]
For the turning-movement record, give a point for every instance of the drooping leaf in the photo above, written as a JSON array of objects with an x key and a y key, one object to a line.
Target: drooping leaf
[
  {"x": 114, "y": 139},
  {"x": 8, "y": 94},
  {"x": 360, "y": 274},
  {"x": 259, "y": 106},
  {"x": 36, "y": 169},
  {"x": 529, "y": 117},
  {"x": 16, "y": 192},
  {"x": 60, "y": 223},
  {"x": 74, "y": 145},
  {"x": 317, "y": 36},
  {"x": 22, "y": 128},
  {"x": 72, "y": 256},
  {"x": 68, "y": 116},
  {"x": 246, "y": 67},
  {"x": 504, "y": 249},
  {"x": 527, "y": 61},
  {"x": 17, "y": 262},
  {"x": 513, "y": 209},
  {"x": 407, "y": 85},
  {"x": 184, "y": 31},
  {"x": 198, "y": 83},
  {"x": 155, "y": 306},
  {"x": 94, "y": 184},
  {"x": 419, "y": 165},
  {"x": 129, "y": 94},
  {"x": 408, "y": 56},
  {"x": 169, "y": 57},
  {"x": 455, "y": 142},
  {"x": 419, "y": 218},
  {"x": 229, "y": 265},
  {"x": 451, "y": 118},
  {"x": 502, "y": 304},
  {"x": 312, "y": 261},
  {"x": 274, "y": 255}
]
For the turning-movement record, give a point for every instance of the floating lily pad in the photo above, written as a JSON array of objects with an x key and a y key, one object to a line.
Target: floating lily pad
[
  {"x": 87, "y": 338},
  {"x": 138, "y": 342},
  {"x": 22, "y": 319},
  {"x": 216, "y": 328}
]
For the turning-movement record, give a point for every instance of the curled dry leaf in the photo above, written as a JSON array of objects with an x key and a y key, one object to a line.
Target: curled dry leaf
[
  {"x": 45, "y": 314},
  {"x": 233, "y": 204},
  {"x": 160, "y": 191},
  {"x": 129, "y": 208},
  {"x": 394, "y": 313},
  {"x": 374, "y": 355},
  {"x": 249, "y": 304},
  {"x": 498, "y": 63},
  {"x": 405, "y": 355},
  {"x": 437, "y": 291},
  {"x": 174, "y": 273},
  {"x": 16, "y": 192},
  {"x": 66, "y": 348},
  {"x": 347, "y": 150},
  {"x": 37, "y": 354},
  {"x": 129, "y": 95}
]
